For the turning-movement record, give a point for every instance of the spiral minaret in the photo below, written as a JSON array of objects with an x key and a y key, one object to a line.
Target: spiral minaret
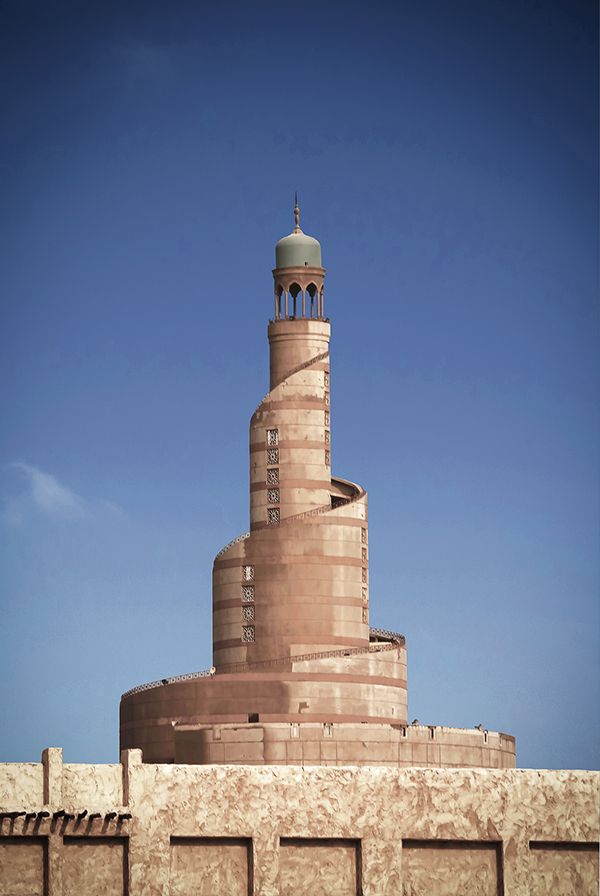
[{"x": 294, "y": 655}]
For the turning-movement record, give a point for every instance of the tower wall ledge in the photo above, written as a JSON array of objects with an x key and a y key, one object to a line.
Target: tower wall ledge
[{"x": 339, "y": 743}]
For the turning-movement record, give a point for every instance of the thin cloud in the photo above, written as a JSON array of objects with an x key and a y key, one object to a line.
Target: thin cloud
[
  {"x": 45, "y": 494},
  {"x": 50, "y": 495}
]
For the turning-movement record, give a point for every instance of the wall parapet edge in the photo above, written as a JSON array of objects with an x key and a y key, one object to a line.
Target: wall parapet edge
[{"x": 477, "y": 813}]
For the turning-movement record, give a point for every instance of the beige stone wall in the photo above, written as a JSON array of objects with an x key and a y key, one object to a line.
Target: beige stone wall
[
  {"x": 309, "y": 588},
  {"x": 310, "y": 867},
  {"x": 23, "y": 866},
  {"x": 343, "y": 744},
  {"x": 293, "y": 343},
  {"x": 96, "y": 866},
  {"x": 149, "y": 717},
  {"x": 275, "y": 830},
  {"x": 97, "y": 785},
  {"x": 563, "y": 868},
  {"x": 21, "y": 784},
  {"x": 204, "y": 866},
  {"x": 451, "y": 867}
]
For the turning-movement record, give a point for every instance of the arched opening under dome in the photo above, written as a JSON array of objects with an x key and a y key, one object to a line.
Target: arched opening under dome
[
  {"x": 311, "y": 290},
  {"x": 295, "y": 291},
  {"x": 295, "y": 301},
  {"x": 278, "y": 302}
]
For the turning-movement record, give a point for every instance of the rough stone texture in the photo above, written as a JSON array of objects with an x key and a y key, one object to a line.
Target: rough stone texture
[
  {"x": 22, "y": 862},
  {"x": 205, "y": 867},
  {"x": 21, "y": 784},
  {"x": 99, "y": 786},
  {"x": 557, "y": 868},
  {"x": 310, "y": 868},
  {"x": 451, "y": 868},
  {"x": 490, "y": 817},
  {"x": 94, "y": 866}
]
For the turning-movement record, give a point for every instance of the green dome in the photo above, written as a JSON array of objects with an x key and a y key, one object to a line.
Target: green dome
[{"x": 298, "y": 250}]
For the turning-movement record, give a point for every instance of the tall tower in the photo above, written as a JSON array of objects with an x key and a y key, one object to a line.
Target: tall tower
[
  {"x": 298, "y": 674},
  {"x": 304, "y": 580}
]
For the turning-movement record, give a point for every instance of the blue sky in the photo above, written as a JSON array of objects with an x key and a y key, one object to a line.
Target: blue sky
[{"x": 446, "y": 157}]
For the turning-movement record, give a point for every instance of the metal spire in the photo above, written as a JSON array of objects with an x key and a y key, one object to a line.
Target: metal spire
[{"x": 296, "y": 211}]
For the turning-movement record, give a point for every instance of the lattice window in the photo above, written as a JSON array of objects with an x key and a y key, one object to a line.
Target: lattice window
[
  {"x": 365, "y": 615},
  {"x": 273, "y": 476},
  {"x": 327, "y": 437},
  {"x": 248, "y": 633},
  {"x": 363, "y": 536},
  {"x": 365, "y": 595},
  {"x": 364, "y": 554},
  {"x": 273, "y": 495},
  {"x": 247, "y": 573},
  {"x": 326, "y": 418},
  {"x": 364, "y": 575},
  {"x": 272, "y": 437},
  {"x": 248, "y": 614},
  {"x": 272, "y": 455},
  {"x": 273, "y": 515},
  {"x": 326, "y": 379},
  {"x": 327, "y": 458},
  {"x": 248, "y": 592},
  {"x": 327, "y": 398}
]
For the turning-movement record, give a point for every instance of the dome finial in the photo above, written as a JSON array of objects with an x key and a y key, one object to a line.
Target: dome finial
[{"x": 296, "y": 212}]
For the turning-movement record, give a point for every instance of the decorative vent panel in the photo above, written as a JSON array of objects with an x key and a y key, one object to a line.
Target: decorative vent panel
[
  {"x": 273, "y": 476},
  {"x": 326, "y": 379},
  {"x": 327, "y": 459},
  {"x": 273, "y": 495},
  {"x": 363, "y": 536},
  {"x": 272, "y": 437},
  {"x": 248, "y": 592},
  {"x": 365, "y": 595},
  {"x": 326, "y": 418},
  {"x": 247, "y": 573},
  {"x": 327, "y": 398},
  {"x": 248, "y": 614},
  {"x": 327, "y": 437},
  {"x": 273, "y": 455},
  {"x": 248, "y": 634},
  {"x": 273, "y": 515},
  {"x": 364, "y": 554},
  {"x": 365, "y": 615},
  {"x": 364, "y": 575}
]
